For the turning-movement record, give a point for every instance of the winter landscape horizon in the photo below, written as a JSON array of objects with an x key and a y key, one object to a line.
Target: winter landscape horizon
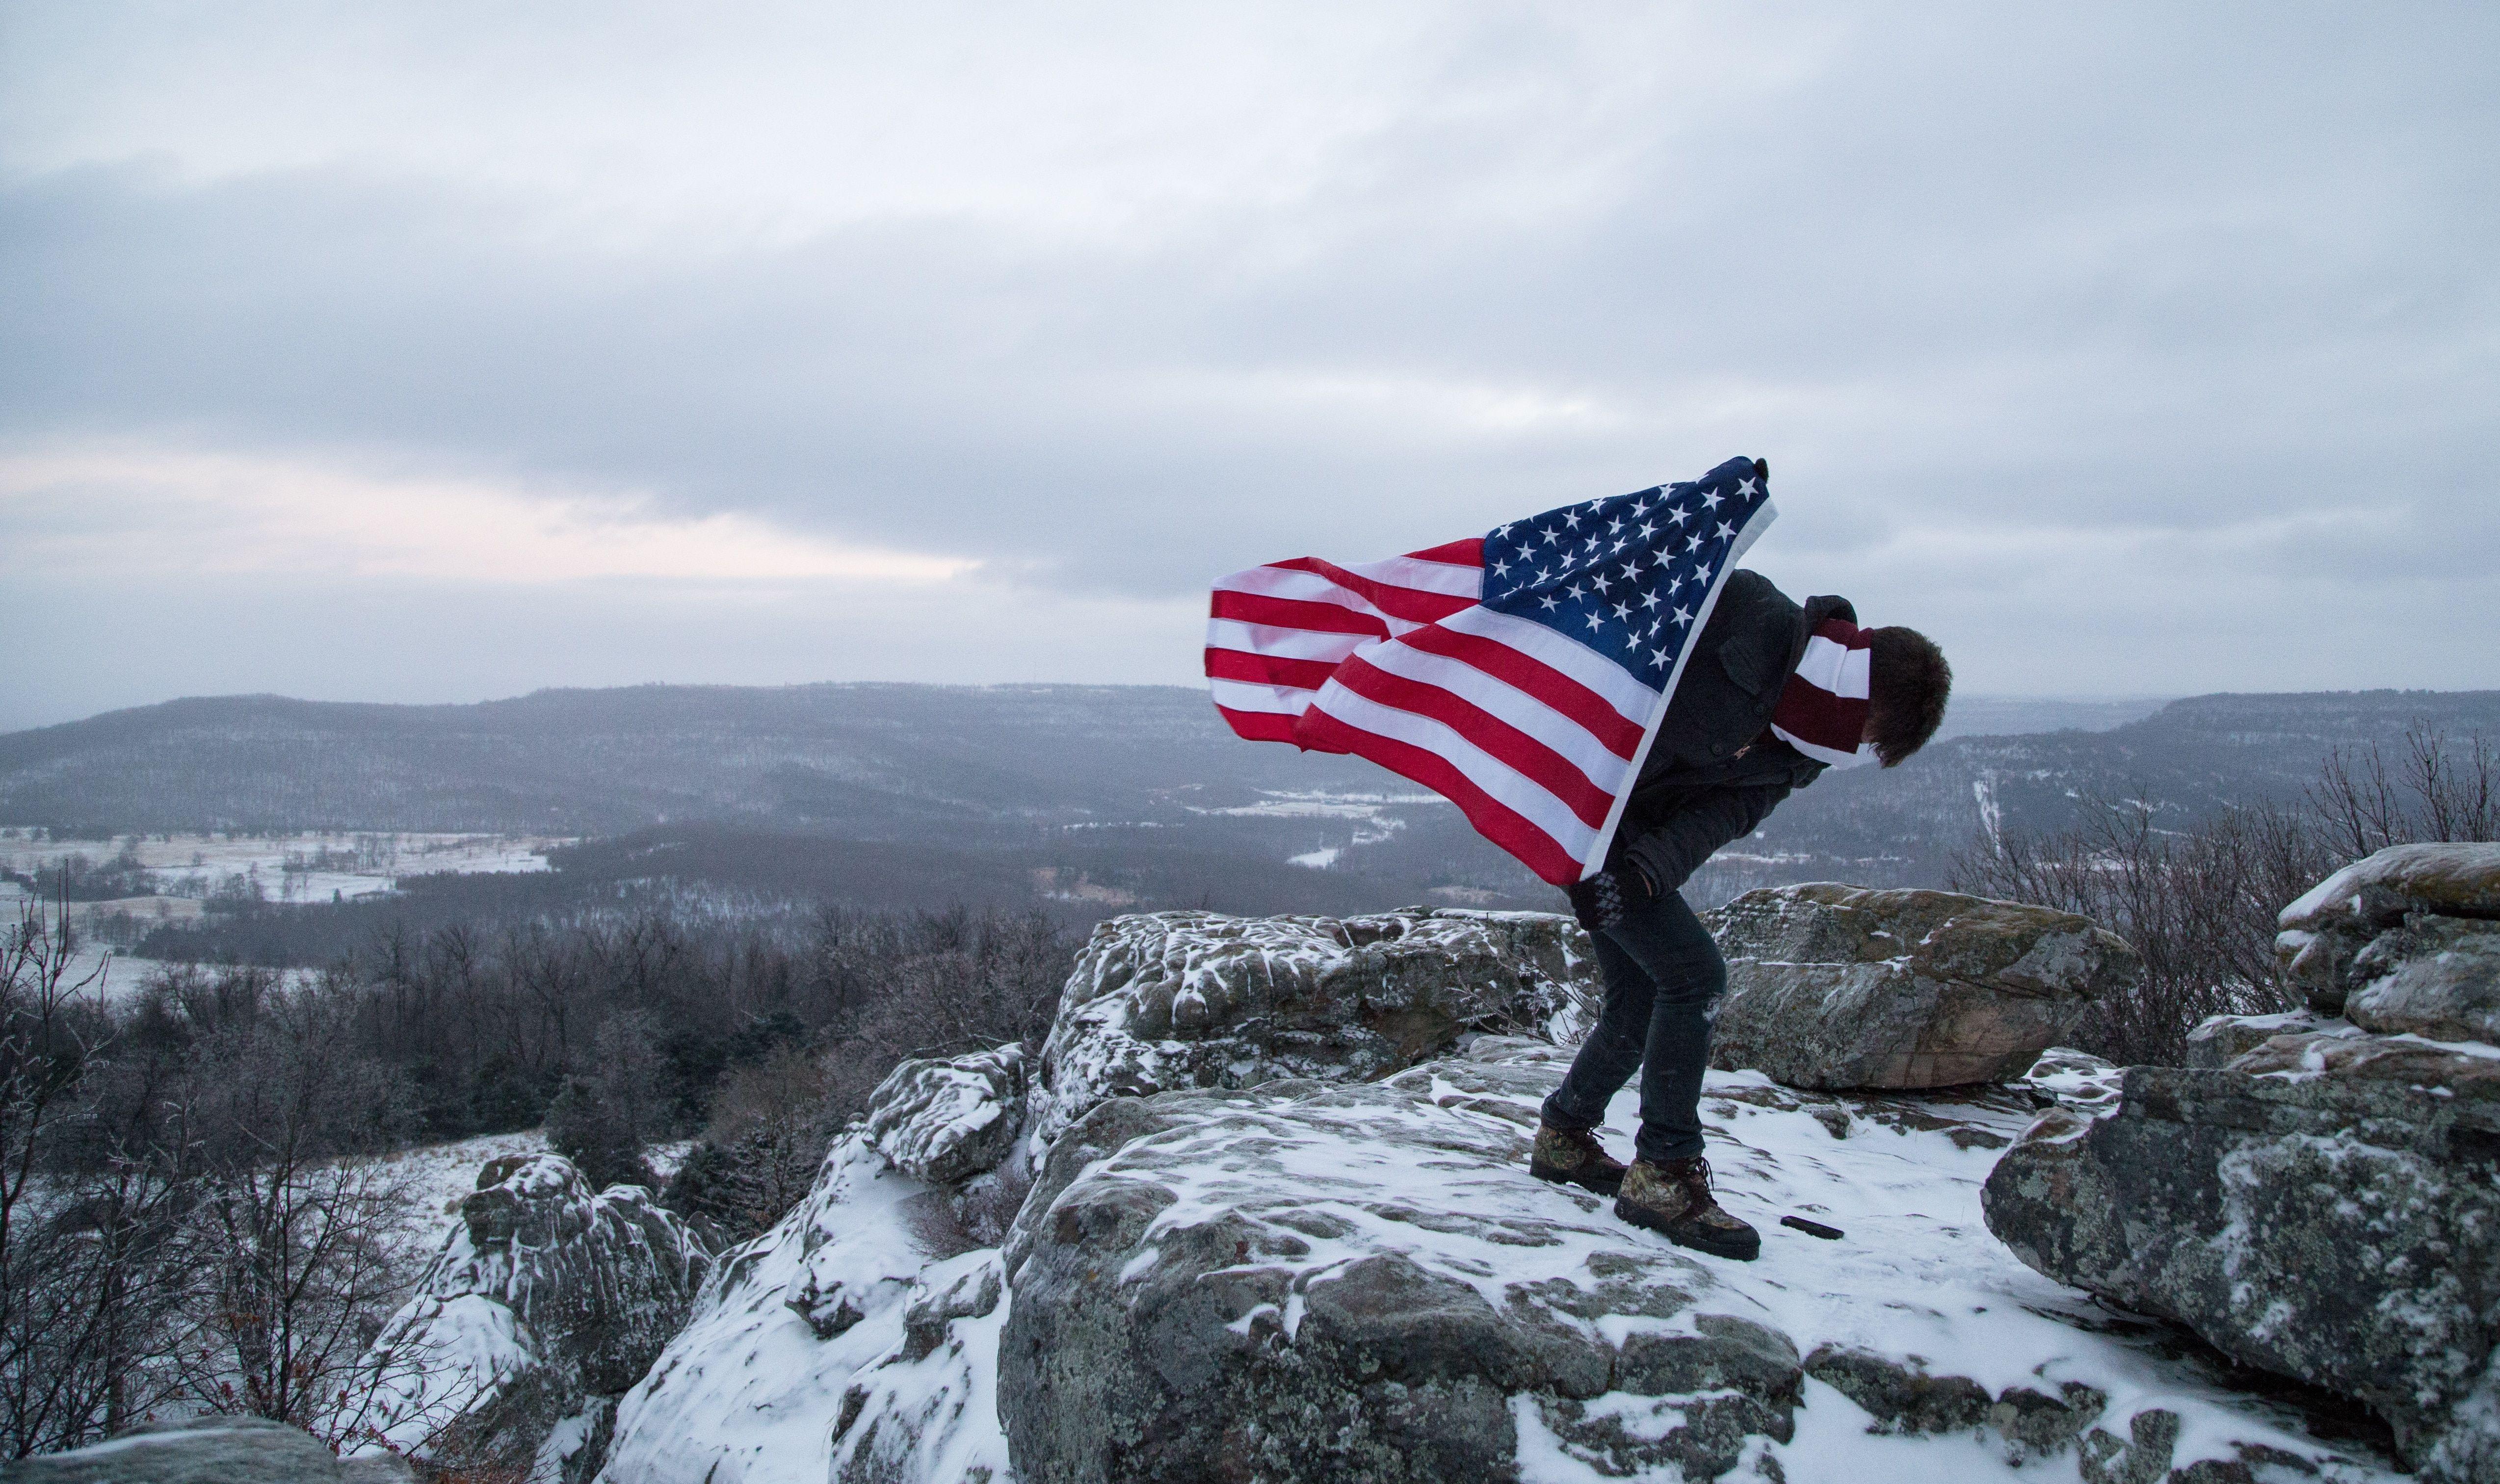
[{"x": 809, "y": 743}]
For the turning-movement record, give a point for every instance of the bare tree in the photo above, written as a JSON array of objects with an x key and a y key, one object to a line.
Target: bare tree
[
  {"x": 2433, "y": 788},
  {"x": 2200, "y": 904},
  {"x": 85, "y": 1288},
  {"x": 289, "y": 1235}
]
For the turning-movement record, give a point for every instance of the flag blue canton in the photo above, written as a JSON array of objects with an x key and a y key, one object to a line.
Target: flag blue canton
[{"x": 1629, "y": 575}]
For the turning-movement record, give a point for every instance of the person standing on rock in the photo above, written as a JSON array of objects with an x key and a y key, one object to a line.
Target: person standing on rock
[
  {"x": 1774, "y": 693},
  {"x": 1607, "y": 696}
]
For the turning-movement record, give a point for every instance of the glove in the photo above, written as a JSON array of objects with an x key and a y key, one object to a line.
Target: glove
[{"x": 1602, "y": 899}]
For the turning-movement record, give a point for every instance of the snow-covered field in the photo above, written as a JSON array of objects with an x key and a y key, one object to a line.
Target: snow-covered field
[
  {"x": 181, "y": 871},
  {"x": 1369, "y": 813},
  {"x": 284, "y": 868}
]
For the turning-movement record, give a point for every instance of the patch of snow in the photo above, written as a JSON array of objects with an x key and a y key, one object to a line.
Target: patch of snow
[{"x": 752, "y": 1388}]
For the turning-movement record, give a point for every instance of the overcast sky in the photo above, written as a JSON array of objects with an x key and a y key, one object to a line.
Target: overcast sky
[{"x": 441, "y": 351}]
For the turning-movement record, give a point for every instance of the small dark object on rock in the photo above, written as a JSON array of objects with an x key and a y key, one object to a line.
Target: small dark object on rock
[{"x": 1812, "y": 1228}]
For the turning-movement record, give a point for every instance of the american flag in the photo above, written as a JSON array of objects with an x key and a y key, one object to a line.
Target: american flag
[{"x": 1521, "y": 675}]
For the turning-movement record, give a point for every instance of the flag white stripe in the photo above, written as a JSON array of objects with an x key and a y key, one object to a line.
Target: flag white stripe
[
  {"x": 1574, "y": 741},
  {"x": 1444, "y": 577},
  {"x": 1281, "y": 642},
  {"x": 1505, "y": 783},
  {"x": 1630, "y": 699},
  {"x": 1250, "y": 696},
  {"x": 1310, "y": 587}
]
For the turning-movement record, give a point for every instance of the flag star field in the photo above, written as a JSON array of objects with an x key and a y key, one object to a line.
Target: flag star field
[{"x": 1520, "y": 675}]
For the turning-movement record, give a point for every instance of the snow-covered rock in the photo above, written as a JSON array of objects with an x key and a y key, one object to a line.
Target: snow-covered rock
[
  {"x": 209, "y": 1450},
  {"x": 2326, "y": 1206},
  {"x": 1210, "y": 1235},
  {"x": 2440, "y": 891},
  {"x": 545, "y": 1303},
  {"x": 1305, "y": 1281},
  {"x": 855, "y": 1340},
  {"x": 1165, "y": 1001},
  {"x": 1843, "y": 987},
  {"x": 2220, "y": 1039},
  {"x": 944, "y": 1120}
]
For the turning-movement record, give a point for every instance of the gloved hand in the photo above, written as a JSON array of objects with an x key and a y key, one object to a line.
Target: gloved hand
[{"x": 1602, "y": 899}]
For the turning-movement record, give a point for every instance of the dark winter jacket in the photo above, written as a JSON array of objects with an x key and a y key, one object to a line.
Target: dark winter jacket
[{"x": 1709, "y": 778}]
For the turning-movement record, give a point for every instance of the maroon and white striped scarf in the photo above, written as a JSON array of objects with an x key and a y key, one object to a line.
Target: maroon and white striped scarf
[{"x": 1822, "y": 711}]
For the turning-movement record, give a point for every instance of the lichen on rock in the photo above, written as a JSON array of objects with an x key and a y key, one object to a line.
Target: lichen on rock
[
  {"x": 2316, "y": 1197},
  {"x": 1845, "y": 987}
]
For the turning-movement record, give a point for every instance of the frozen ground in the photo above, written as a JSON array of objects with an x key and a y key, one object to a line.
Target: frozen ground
[
  {"x": 183, "y": 870},
  {"x": 1370, "y": 814},
  {"x": 287, "y": 867}
]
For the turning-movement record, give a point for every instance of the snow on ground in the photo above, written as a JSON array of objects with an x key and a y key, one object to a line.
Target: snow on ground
[
  {"x": 1365, "y": 811},
  {"x": 307, "y": 867},
  {"x": 436, "y": 1177},
  {"x": 754, "y": 1387},
  {"x": 1918, "y": 1273},
  {"x": 183, "y": 870},
  {"x": 1281, "y": 804}
]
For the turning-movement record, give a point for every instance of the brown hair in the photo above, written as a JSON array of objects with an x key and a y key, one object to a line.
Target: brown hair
[{"x": 1910, "y": 682}]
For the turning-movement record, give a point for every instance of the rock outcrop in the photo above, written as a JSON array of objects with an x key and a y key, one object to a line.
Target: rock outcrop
[
  {"x": 944, "y": 1120},
  {"x": 1843, "y": 987},
  {"x": 870, "y": 1314},
  {"x": 2220, "y": 1039},
  {"x": 2318, "y": 1198},
  {"x": 545, "y": 1303},
  {"x": 856, "y": 1341},
  {"x": 209, "y": 1450},
  {"x": 2409, "y": 932},
  {"x": 1305, "y": 1280},
  {"x": 1254, "y": 1273},
  {"x": 1165, "y": 1000}
]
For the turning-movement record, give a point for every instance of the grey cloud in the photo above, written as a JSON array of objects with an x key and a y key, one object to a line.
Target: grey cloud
[{"x": 2000, "y": 268}]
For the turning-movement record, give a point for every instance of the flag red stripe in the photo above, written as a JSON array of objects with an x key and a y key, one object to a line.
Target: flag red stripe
[
  {"x": 1538, "y": 762},
  {"x": 1493, "y": 819},
  {"x": 1457, "y": 554},
  {"x": 1585, "y": 707},
  {"x": 1413, "y": 604},
  {"x": 1295, "y": 613},
  {"x": 1268, "y": 669},
  {"x": 1260, "y": 726}
]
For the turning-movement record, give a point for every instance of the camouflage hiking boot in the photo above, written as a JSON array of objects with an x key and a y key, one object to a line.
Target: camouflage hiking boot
[
  {"x": 1674, "y": 1199},
  {"x": 1574, "y": 1157}
]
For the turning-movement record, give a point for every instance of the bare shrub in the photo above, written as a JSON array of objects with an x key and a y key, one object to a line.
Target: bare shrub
[
  {"x": 772, "y": 1124},
  {"x": 936, "y": 985},
  {"x": 2431, "y": 789},
  {"x": 2200, "y": 904},
  {"x": 890, "y": 988}
]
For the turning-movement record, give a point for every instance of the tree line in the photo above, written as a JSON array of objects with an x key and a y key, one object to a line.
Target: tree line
[{"x": 192, "y": 1214}]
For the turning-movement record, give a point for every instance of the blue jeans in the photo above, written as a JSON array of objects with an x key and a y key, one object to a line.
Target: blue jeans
[{"x": 1663, "y": 974}]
